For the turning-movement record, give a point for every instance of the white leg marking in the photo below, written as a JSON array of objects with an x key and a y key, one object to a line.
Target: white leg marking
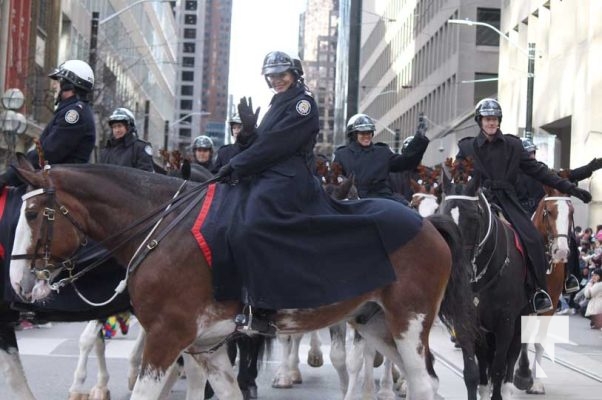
[
  {"x": 86, "y": 342},
  {"x": 12, "y": 369}
]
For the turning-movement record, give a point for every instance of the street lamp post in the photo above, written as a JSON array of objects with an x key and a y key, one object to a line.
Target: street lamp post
[
  {"x": 530, "y": 53},
  {"x": 179, "y": 120},
  {"x": 12, "y": 123}
]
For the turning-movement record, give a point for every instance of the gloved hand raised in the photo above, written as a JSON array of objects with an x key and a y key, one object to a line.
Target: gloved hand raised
[
  {"x": 248, "y": 117},
  {"x": 595, "y": 164},
  {"x": 581, "y": 194},
  {"x": 422, "y": 128}
]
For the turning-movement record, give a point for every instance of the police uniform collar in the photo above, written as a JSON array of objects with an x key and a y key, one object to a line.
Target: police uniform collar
[
  {"x": 482, "y": 139},
  {"x": 127, "y": 140},
  {"x": 67, "y": 102},
  {"x": 290, "y": 93},
  {"x": 355, "y": 146}
]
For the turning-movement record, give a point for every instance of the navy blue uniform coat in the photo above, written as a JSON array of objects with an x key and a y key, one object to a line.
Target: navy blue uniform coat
[
  {"x": 498, "y": 163},
  {"x": 371, "y": 165},
  {"x": 277, "y": 234},
  {"x": 128, "y": 151}
]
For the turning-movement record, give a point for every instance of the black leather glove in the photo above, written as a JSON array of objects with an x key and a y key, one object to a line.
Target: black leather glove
[
  {"x": 248, "y": 117},
  {"x": 422, "y": 128},
  {"x": 224, "y": 173},
  {"x": 595, "y": 164},
  {"x": 185, "y": 169},
  {"x": 581, "y": 194}
]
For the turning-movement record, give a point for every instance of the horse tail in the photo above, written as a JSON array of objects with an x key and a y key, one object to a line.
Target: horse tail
[{"x": 457, "y": 310}]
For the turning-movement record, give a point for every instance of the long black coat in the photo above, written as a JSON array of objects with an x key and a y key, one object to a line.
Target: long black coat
[
  {"x": 498, "y": 164},
  {"x": 70, "y": 136},
  {"x": 281, "y": 237},
  {"x": 128, "y": 151},
  {"x": 371, "y": 165}
]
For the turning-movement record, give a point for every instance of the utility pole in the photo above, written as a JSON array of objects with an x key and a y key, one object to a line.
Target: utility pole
[{"x": 530, "y": 82}]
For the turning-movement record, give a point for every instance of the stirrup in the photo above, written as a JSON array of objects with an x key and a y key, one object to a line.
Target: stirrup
[
  {"x": 249, "y": 323},
  {"x": 541, "y": 310},
  {"x": 571, "y": 284}
]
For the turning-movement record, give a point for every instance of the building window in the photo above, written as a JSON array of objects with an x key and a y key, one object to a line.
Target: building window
[
  {"x": 185, "y": 104},
  {"x": 190, "y": 5},
  {"x": 486, "y": 88},
  {"x": 189, "y": 47},
  {"x": 185, "y": 132},
  {"x": 187, "y": 90},
  {"x": 190, "y": 19},
  {"x": 188, "y": 61},
  {"x": 189, "y": 33},
  {"x": 487, "y": 36},
  {"x": 188, "y": 76}
]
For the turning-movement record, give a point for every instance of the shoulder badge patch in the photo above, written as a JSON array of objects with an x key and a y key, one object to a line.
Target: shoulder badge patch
[
  {"x": 72, "y": 116},
  {"x": 303, "y": 107},
  {"x": 148, "y": 149}
]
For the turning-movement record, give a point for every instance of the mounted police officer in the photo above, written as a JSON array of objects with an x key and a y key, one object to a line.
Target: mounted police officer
[
  {"x": 530, "y": 192},
  {"x": 498, "y": 158},
  {"x": 70, "y": 136},
  {"x": 370, "y": 163},
  {"x": 202, "y": 152},
  {"x": 124, "y": 147},
  {"x": 242, "y": 140}
]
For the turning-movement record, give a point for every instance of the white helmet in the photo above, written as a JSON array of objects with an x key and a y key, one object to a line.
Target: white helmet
[{"x": 77, "y": 72}]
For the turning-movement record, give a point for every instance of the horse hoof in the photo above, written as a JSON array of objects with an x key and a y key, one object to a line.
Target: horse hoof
[
  {"x": 99, "y": 394},
  {"x": 296, "y": 377},
  {"x": 282, "y": 383},
  {"x": 378, "y": 360},
  {"x": 315, "y": 360},
  {"x": 522, "y": 382}
]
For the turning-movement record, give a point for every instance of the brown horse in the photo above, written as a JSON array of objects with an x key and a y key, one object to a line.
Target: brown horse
[
  {"x": 427, "y": 190},
  {"x": 554, "y": 220},
  {"x": 169, "y": 280}
]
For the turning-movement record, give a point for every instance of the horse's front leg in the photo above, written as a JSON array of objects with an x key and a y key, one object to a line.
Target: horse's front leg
[
  {"x": 315, "y": 358},
  {"x": 220, "y": 373},
  {"x": 293, "y": 361},
  {"x": 135, "y": 359},
  {"x": 161, "y": 349},
  {"x": 503, "y": 339},
  {"x": 10, "y": 363},
  {"x": 338, "y": 354},
  {"x": 87, "y": 340}
]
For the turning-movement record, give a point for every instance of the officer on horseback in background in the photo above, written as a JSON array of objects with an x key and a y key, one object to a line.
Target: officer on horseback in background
[
  {"x": 370, "y": 163},
  {"x": 202, "y": 152},
  {"x": 70, "y": 136},
  {"x": 498, "y": 158},
  {"x": 242, "y": 140},
  {"x": 124, "y": 147},
  {"x": 530, "y": 192}
]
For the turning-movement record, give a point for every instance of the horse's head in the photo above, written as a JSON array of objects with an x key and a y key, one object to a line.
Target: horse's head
[
  {"x": 427, "y": 190},
  {"x": 335, "y": 183},
  {"x": 465, "y": 203},
  {"x": 553, "y": 218},
  {"x": 47, "y": 234}
]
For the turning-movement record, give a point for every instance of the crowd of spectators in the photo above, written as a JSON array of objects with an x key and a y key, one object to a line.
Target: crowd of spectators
[{"x": 588, "y": 301}]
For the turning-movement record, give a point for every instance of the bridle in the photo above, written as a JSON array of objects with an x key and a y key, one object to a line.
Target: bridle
[
  {"x": 51, "y": 262},
  {"x": 546, "y": 216},
  {"x": 484, "y": 238},
  {"x": 419, "y": 197}
]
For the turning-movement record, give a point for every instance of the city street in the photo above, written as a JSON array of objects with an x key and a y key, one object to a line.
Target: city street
[{"x": 49, "y": 355}]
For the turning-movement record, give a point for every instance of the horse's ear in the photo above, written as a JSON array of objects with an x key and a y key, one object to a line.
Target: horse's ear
[
  {"x": 445, "y": 178},
  {"x": 26, "y": 171},
  {"x": 416, "y": 188},
  {"x": 473, "y": 184}
]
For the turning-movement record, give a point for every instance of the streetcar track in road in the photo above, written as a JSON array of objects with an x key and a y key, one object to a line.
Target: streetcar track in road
[{"x": 457, "y": 370}]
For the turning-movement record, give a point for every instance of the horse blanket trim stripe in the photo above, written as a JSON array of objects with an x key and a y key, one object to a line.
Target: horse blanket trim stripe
[
  {"x": 200, "y": 219},
  {"x": 3, "y": 197}
]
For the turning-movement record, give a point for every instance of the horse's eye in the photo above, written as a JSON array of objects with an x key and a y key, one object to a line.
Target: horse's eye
[{"x": 31, "y": 215}]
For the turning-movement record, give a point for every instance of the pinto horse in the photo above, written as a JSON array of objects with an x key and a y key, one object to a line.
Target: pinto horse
[
  {"x": 553, "y": 219},
  {"x": 498, "y": 273},
  {"x": 169, "y": 280},
  {"x": 427, "y": 190}
]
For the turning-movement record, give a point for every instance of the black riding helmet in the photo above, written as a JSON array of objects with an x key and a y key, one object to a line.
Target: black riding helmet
[
  {"x": 277, "y": 62},
  {"x": 487, "y": 108},
  {"x": 202, "y": 142},
  {"x": 359, "y": 123},
  {"x": 125, "y": 116}
]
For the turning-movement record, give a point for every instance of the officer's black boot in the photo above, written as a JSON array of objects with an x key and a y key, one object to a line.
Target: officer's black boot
[
  {"x": 257, "y": 321},
  {"x": 571, "y": 284},
  {"x": 542, "y": 302}
]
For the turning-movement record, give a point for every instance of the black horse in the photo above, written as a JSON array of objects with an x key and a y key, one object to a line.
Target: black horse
[{"x": 498, "y": 273}]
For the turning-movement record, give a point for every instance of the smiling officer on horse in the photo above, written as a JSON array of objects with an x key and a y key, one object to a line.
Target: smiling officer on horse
[{"x": 498, "y": 158}]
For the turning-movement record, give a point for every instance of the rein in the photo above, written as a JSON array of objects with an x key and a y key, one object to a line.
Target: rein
[
  {"x": 155, "y": 216},
  {"x": 492, "y": 224},
  {"x": 548, "y": 228}
]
